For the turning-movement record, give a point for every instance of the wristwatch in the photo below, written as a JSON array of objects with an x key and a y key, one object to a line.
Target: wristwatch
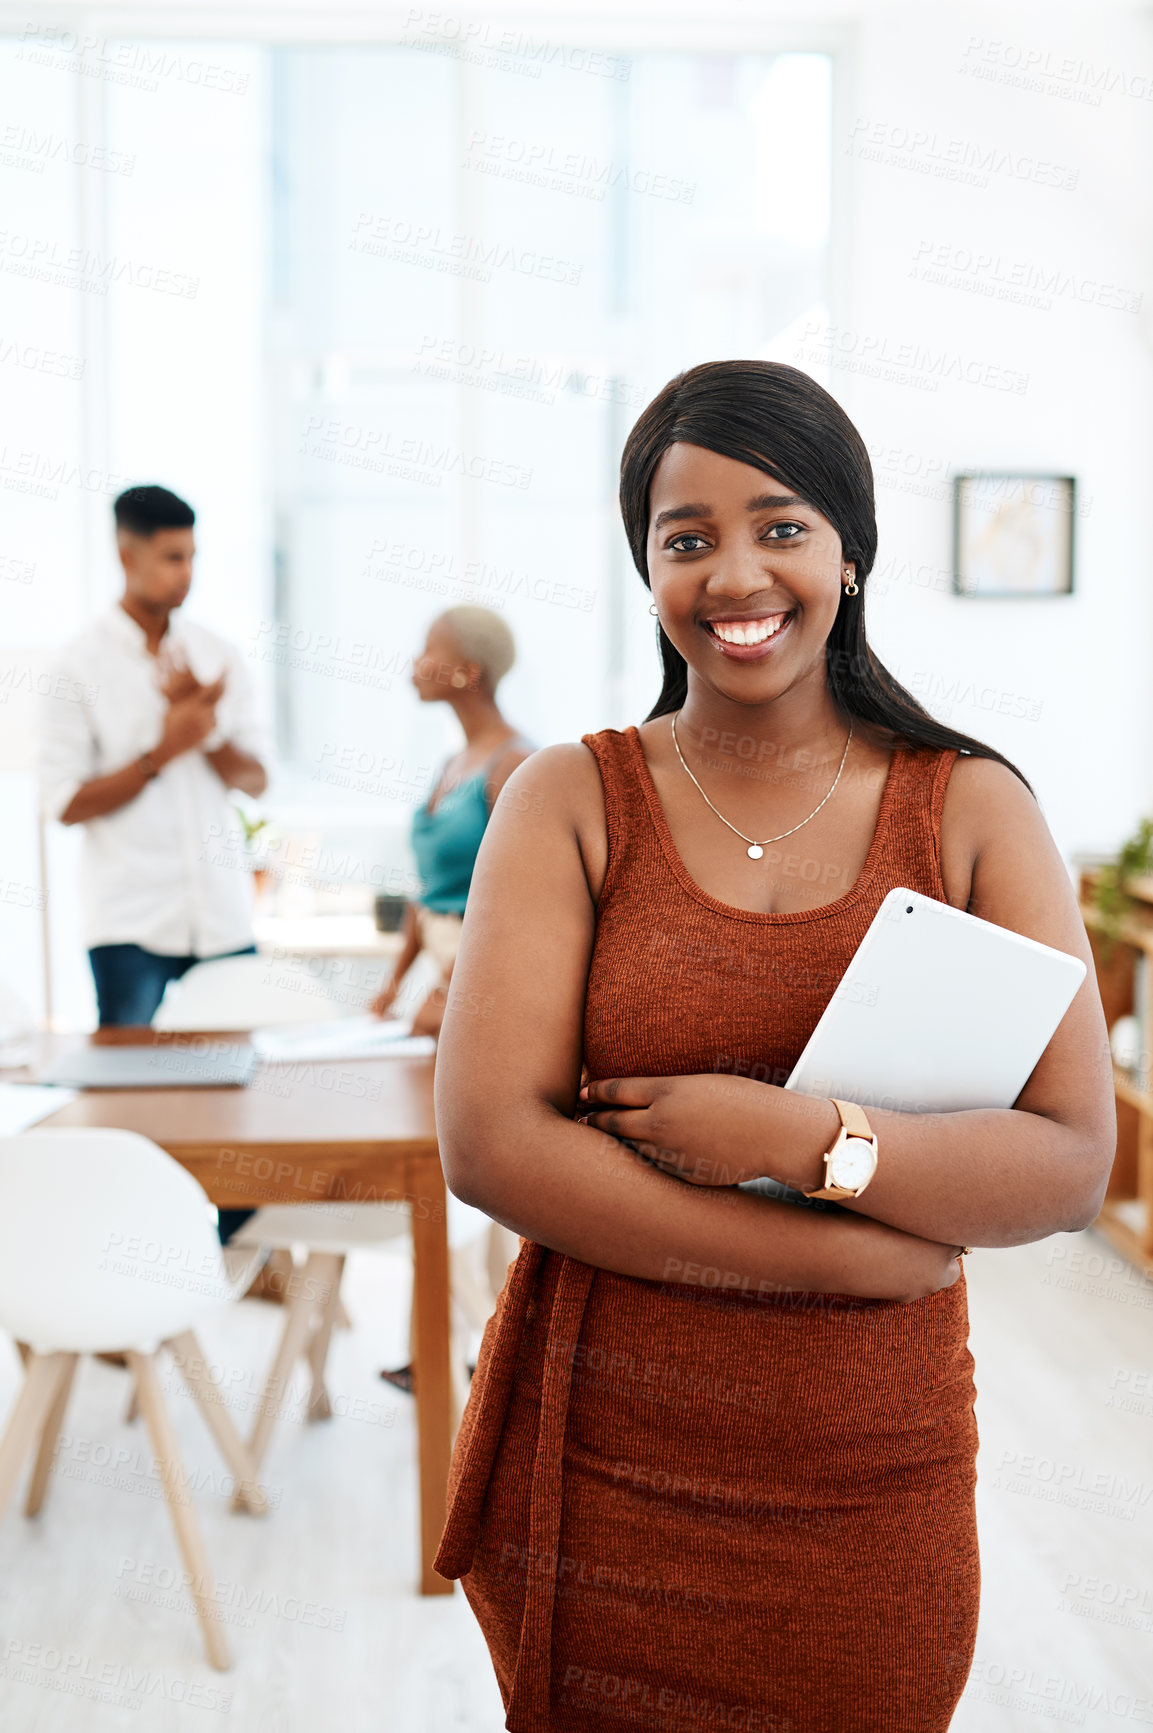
[{"x": 851, "y": 1158}]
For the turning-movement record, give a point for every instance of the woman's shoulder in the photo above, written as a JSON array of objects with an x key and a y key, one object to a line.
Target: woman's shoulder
[
  {"x": 983, "y": 793},
  {"x": 567, "y": 774},
  {"x": 558, "y": 792}
]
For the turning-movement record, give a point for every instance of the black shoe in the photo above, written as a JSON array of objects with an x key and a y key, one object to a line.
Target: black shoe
[{"x": 401, "y": 1378}]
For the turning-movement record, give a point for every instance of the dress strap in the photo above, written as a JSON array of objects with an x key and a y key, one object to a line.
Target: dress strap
[
  {"x": 633, "y": 844},
  {"x": 915, "y": 845}
]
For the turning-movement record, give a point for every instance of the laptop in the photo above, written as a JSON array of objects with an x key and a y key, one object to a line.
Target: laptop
[{"x": 208, "y": 1065}]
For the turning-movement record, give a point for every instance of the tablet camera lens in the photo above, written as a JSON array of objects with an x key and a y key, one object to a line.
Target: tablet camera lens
[{"x": 908, "y": 908}]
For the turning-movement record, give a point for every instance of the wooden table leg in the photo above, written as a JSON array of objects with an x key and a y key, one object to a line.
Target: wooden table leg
[{"x": 431, "y": 1378}]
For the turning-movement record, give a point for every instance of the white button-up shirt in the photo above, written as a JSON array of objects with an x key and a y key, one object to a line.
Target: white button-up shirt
[{"x": 162, "y": 871}]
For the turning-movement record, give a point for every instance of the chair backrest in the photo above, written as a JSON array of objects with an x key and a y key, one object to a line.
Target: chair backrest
[
  {"x": 247, "y": 993},
  {"x": 106, "y": 1242}
]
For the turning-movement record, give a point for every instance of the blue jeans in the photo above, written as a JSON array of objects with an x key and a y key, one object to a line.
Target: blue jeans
[{"x": 130, "y": 983}]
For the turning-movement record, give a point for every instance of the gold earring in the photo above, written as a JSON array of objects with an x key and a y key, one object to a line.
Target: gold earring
[{"x": 852, "y": 587}]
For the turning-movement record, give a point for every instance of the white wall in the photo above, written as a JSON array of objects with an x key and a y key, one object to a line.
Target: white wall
[{"x": 1086, "y": 410}]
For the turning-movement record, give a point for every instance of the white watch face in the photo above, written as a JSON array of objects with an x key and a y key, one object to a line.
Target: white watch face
[{"x": 853, "y": 1163}]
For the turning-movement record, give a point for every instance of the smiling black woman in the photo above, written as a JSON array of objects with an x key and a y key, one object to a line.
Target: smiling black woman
[{"x": 717, "y": 1466}]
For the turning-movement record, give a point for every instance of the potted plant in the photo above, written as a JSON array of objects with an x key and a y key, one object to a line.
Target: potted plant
[
  {"x": 1111, "y": 899},
  {"x": 251, "y": 828}
]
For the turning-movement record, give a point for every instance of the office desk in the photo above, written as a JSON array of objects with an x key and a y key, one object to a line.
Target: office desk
[{"x": 358, "y": 1130}]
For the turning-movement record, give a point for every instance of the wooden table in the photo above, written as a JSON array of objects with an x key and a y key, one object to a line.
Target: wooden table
[{"x": 360, "y": 1131}]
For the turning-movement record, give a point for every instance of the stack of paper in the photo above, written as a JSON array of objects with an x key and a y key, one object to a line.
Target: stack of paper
[
  {"x": 25, "y": 1104},
  {"x": 346, "y": 1038}
]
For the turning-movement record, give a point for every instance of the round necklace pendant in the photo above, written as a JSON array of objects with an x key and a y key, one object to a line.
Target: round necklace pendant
[{"x": 756, "y": 851}]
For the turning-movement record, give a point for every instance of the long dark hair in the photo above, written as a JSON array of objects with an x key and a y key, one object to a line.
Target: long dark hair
[{"x": 745, "y": 410}]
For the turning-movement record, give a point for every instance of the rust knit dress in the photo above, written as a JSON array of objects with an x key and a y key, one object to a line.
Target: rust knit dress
[{"x": 677, "y": 1508}]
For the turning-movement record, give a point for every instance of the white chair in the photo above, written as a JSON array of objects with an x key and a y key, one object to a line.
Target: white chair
[
  {"x": 309, "y": 1242},
  {"x": 107, "y": 1244},
  {"x": 255, "y": 992},
  {"x": 249, "y": 992},
  {"x": 322, "y": 1235}
]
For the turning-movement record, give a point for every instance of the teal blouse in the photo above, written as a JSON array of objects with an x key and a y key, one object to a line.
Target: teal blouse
[{"x": 445, "y": 841}]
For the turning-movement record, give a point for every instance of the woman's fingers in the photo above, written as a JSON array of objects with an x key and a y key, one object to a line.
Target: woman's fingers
[
  {"x": 622, "y": 1122},
  {"x": 621, "y": 1091}
]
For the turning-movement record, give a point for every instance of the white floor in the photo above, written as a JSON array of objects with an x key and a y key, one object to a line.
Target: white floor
[{"x": 318, "y": 1601}]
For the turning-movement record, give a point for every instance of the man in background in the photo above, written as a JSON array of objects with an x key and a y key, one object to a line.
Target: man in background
[{"x": 146, "y": 767}]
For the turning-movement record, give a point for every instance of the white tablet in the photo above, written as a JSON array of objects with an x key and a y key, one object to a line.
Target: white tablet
[{"x": 937, "y": 1011}]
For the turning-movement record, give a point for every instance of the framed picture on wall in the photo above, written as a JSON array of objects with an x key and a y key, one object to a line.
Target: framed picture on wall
[{"x": 1013, "y": 534}]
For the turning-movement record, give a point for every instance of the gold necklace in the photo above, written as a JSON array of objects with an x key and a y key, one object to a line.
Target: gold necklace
[{"x": 757, "y": 849}]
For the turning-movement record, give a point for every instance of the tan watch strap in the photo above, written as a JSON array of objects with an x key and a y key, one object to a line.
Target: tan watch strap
[
  {"x": 853, "y": 1118},
  {"x": 854, "y": 1123}
]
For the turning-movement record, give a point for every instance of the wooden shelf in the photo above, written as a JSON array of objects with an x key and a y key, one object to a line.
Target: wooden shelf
[
  {"x": 1131, "y": 1181},
  {"x": 1130, "y": 932},
  {"x": 1122, "y": 1236},
  {"x": 1127, "y": 1090}
]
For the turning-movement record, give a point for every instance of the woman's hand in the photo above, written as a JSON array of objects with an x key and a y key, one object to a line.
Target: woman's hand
[
  {"x": 914, "y": 1268},
  {"x": 681, "y": 1123},
  {"x": 384, "y": 1000}
]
